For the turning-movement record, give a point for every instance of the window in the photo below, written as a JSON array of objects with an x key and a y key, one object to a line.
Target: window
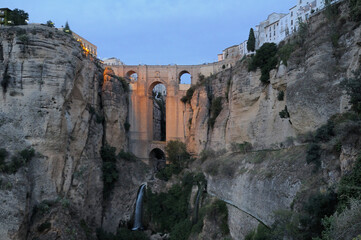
[
  {"x": 291, "y": 22},
  {"x": 274, "y": 27},
  {"x": 291, "y": 14},
  {"x": 274, "y": 33}
]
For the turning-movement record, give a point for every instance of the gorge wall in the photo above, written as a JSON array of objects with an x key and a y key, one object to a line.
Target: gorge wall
[
  {"x": 64, "y": 105},
  {"x": 259, "y": 183},
  {"x": 56, "y": 100}
]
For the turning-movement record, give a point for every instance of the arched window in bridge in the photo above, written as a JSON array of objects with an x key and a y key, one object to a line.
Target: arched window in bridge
[
  {"x": 159, "y": 93},
  {"x": 185, "y": 77},
  {"x": 132, "y": 76},
  {"x": 157, "y": 158}
]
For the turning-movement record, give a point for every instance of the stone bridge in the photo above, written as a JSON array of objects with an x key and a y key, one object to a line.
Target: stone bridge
[{"x": 141, "y": 141}]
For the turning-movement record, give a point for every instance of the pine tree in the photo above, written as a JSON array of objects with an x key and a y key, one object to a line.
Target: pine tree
[
  {"x": 67, "y": 28},
  {"x": 251, "y": 44}
]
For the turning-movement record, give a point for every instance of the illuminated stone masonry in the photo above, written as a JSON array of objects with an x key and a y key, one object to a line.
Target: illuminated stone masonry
[{"x": 143, "y": 79}]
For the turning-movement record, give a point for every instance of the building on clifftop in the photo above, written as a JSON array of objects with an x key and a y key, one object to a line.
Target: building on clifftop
[{"x": 5, "y": 18}]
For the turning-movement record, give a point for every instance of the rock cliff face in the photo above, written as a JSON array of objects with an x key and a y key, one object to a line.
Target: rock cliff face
[
  {"x": 253, "y": 185},
  {"x": 60, "y": 102},
  {"x": 250, "y": 109},
  {"x": 54, "y": 100}
]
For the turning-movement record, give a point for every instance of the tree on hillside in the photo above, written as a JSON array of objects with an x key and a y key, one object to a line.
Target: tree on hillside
[
  {"x": 353, "y": 89},
  {"x": 19, "y": 17},
  {"x": 67, "y": 28},
  {"x": 50, "y": 24},
  {"x": 251, "y": 44}
]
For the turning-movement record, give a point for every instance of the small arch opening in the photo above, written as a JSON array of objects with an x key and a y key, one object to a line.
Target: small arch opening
[
  {"x": 159, "y": 94},
  {"x": 132, "y": 75},
  {"x": 157, "y": 158},
  {"x": 185, "y": 77}
]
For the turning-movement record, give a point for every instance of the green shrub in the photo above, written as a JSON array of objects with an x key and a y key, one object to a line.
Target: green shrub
[
  {"x": 314, "y": 155},
  {"x": 110, "y": 172},
  {"x": 126, "y": 126},
  {"x": 349, "y": 186},
  {"x": 331, "y": 11},
  {"x": 17, "y": 161},
  {"x": 166, "y": 173},
  {"x": 265, "y": 59},
  {"x": 44, "y": 226},
  {"x": 189, "y": 94},
  {"x": 99, "y": 118},
  {"x": 245, "y": 147},
  {"x": 344, "y": 225},
  {"x": 353, "y": 89},
  {"x": 88, "y": 231},
  {"x": 50, "y": 24},
  {"x": 177, "y": 153},
  {"x": 262, "y": 233},
  {"x": 281, "y": 95},
  {"x": 24, "y": 39},
  {"x": 91, "y": 109},
  {"x": 216, "y": 108},
  {"x": 355, "y": 10},
  {"x": 3, "y": 155},
  {"x": 284, "y": 113},
  {"x": 205, "y": 154},
  {"x": 219, "y": 209},
  {"x": 302, "y": 32},
  {"x": 122, "y": 234},
  {"x": 325, "y": 132},
  {"x": 5, "y": 81},
  {"x": 27, "y": 154},
  {"x": 316, "y": 208},
  {"x": 168, "y": 209},
  {"x": 127, "y": 156},
  {"x": 285, "y": 52},
  {"x": 181, "y": 230}
]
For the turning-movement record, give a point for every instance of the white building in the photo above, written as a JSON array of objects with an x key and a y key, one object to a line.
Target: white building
[
  {"x": 278, "y": 26},
  {"x": 112, "y": 61}
]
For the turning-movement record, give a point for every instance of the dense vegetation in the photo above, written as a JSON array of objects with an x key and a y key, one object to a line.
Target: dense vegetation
[
  {"x": 265, "y": 59},
  {"x": 170, "y": 211},
  {"x": 110, "y": 172},
  {"x": 17, "y": 160},
  {"x": 178, "y": 157},
  {"x": 122, "y": 234},
  {"x": 19, "y": 17}
]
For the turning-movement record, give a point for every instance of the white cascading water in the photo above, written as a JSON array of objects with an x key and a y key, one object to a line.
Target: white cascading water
[{"x": 138, "y": 210}]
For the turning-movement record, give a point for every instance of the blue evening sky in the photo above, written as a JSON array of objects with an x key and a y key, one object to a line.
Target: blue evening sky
[{"x": 156, "y": 31}]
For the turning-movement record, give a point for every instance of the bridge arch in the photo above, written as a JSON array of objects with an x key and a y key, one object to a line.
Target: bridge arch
[
  {"x": 184, "y": 77},
  {"x": 157, "y": 158},
  {"x": 153, "y": 84},
  {"x": 132, "y": 75}
]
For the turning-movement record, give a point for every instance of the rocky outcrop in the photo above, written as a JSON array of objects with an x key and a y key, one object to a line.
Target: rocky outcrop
[
  {"x": 259, "y": 183},
  {"x": 54, "y": 100},
  {"x": 250, "y": 109},
  {"x": 115, "y": 104}
]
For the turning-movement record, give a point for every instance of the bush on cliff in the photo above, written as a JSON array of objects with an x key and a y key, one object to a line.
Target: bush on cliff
[
  {"x": 265, "y": 59},
  {"x": 110, "y": 172},
  {"x": 353, "y": 89},
  {"x": 216, "y": 108}
]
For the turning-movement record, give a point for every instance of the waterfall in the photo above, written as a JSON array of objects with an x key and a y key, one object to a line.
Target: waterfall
[
  {"x": 138, "y": 210},
  {"x": 195, "y": 220}
]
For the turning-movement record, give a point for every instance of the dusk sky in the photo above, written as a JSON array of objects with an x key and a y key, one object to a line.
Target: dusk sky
[{"x": 156, "y": 31}]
